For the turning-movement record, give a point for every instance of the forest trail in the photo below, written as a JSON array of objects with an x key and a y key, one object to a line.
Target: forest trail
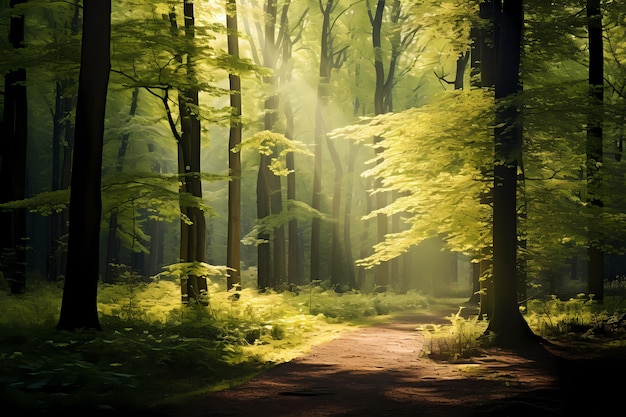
[{"x": 382, "y": 371}]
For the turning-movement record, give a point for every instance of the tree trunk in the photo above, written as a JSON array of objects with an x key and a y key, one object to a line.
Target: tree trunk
[
  {"x": 79, "y": 304},
  {"x": 113, "y": 242},
  {"x": 269, "y": 196},
  {"x": 233, "y": 244},
  {"x": 507, "y": 324},
  {"x": 293, "y": 250},
  {"x": 13, "y": 240},
  {"x": 485, "y": 60},
  {"x": 337, "y": 272},
  {"x": 193, "y": 236},
  {"x": 347, "y": 217},
  {"x": 320, "y": 133},
  {"x": 595, "y": 254},
  {"x": 382, "y": 270}
]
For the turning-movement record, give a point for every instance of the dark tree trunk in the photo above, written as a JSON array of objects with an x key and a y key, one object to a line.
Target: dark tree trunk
[
  {"x": 382, "y": 270},
  {"x": 595, "y": 254},
  {"x": 193, "y": 236},
  {"x": 13, "y": 240},
  {"x": 233, "y": 244},
  {"x": 79, "y": 304},
  {"x": 506, "y": 323},
  {"x": 485, "y": 60},
  {"x": 63, "y": 145}
]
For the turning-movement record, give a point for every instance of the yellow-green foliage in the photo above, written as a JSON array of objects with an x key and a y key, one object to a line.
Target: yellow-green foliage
[
  {"x": 151, "y": 344},
  {"x": 580, "y": 316},
  {"x": 455, "y": 341},
  {"x": 34, "y": 308}
]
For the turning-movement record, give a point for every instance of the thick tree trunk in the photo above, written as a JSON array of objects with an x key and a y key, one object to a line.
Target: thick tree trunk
[
  {"x": 485, "y": 59},
  {"x": 595, "y": 254},
  {"x": 506, "y": 323},
  {"x": 79, "y": 304},
  {"x": 233, "y": 244}
]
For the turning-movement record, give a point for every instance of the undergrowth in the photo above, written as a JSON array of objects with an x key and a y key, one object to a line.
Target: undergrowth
[
  {"x": 580, "y": 319},
  {"x": 154, "y": 351}
]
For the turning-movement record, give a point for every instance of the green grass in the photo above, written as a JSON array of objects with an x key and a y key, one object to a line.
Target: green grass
[{"x": 153, "y": 351}]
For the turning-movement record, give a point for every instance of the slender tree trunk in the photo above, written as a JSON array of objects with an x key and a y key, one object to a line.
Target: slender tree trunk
[
  {"x": 293, "y": 250},
  {"x": 595, "y": 254},
  {"x": 347, "y": 217},
  {"x": 233, "y": 244},
  {"x": 79, "y": 304},
  {"x": 320, "y": 133},
  {"x": 269, "y": 197},
  {"x": 337, "y": 271},
  {"x": 193, "y": 235},
  {"x": 113, "y": 242},
  {"x": 507, "y": 324},
  {"x": 13, "y": 239},
  {"x": 62, "y": 146}
]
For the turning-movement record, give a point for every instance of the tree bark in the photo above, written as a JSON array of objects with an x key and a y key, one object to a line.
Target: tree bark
[
  {"x": 113, "y": 241},
  {"x": 13, "y": 240},
  {"x": 193, "y": 236},
  {"x": 269, "y": 196},
  {"x": 507, "y": 324},
  {"x": 79, "y": 303},
  {"x": 293, "y": 250},
  {"x": 486, "y": 56},
  {"x": 595, "y": 254},
  {"x": 320, "y": 133},
  {"x": 382, "y": 270},
  {"x": 233, "y": 244}
]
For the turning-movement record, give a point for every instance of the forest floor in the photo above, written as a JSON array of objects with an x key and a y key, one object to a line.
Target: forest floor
[{"x": 384, "y": 370}]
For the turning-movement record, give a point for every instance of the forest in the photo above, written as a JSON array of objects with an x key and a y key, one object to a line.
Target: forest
[{"x": 220, "y": 180}]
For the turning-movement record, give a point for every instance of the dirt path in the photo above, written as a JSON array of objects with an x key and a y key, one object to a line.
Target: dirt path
[{"x": 381, "y": 371}]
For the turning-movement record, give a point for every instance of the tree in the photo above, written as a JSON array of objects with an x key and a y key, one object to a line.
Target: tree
[
  {"x": 79, "y": 303},
  {"x": 268, "y": 188},
  {"x": 320, "y": 134},
  {"x": 113, "y": 241},
  {"x": 330, "y": 59},
  {"x": 595, "y": 254},
  {"x": 380, "y": 93},
  {"x": 233, "y": 248},
  {"x": 506, "y": 323},
  {"x": 14, "y": 241},
  {"x": 193, "y": 222},
  {"x": 62, "y": 146},
  {"x": 294, "y": 256}
]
